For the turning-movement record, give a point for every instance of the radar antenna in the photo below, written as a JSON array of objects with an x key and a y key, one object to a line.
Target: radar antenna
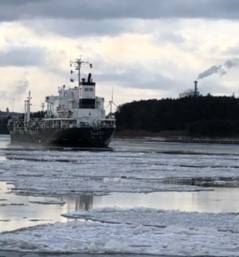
[
  {"x": 78, "y": 65},
  {"x": 71, "y": 71}
]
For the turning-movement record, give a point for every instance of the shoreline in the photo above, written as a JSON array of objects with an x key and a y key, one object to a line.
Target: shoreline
[{"x": 175, "y": 137}]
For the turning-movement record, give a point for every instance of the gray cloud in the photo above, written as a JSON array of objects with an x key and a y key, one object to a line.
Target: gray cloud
[
  {"x": 137, "y": 77},
  {"x": 102, "y": 9},
  {"x": 22, "y": 56},
  {"x": 172, "y": 37},
  {"x": 80, "y": 27}
]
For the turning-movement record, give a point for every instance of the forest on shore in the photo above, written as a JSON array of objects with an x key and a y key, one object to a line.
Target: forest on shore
[
  {"x": 3, "y": 125},
  {"x": 211, "y": 116}
]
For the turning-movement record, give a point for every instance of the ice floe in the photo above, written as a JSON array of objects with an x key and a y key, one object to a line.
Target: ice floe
[
  {"x": 113, "y": 172},
  {"x": 136, "y": 231},
  {"x": 48, "y": 202},
  {"x": 126, "y": 169}
]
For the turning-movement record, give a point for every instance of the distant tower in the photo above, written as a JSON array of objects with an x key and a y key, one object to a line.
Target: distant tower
[
  {"x": 191, "y": 92},
  {"x": 196, "y": 92}
]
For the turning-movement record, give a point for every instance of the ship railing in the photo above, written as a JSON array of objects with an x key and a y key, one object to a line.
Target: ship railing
[
  {"x": 83, "y": 124},
  {"x": 107, "y": 123},
  {"x": 96, "y": 124}
]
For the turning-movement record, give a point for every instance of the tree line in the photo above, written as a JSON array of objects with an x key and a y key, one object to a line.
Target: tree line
[
  {"x": 198, "y": 116},
  {"x": 5, "y": 117}
]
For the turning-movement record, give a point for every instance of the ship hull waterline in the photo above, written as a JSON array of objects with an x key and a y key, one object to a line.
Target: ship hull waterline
[{"x": 69, "y": 137}]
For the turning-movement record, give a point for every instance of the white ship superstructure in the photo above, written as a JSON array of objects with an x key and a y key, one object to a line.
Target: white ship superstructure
[{"x": 75, "y": 109}]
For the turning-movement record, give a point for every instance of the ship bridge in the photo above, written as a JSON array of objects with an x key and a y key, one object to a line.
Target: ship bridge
[
  {"x": 79, "y": 103},
  {"x": 87, "y": 93}
]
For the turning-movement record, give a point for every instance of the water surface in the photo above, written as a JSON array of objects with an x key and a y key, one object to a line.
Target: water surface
[{"x": 130, "y": 162}]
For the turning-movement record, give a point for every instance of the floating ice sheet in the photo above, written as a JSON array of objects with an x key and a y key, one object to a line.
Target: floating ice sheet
[
  {"x": 133, "y": 166},
  {"x": 115, "y": 172},
  {"x": 48, "y": 202},
  {"x": 136, "y": 231}
]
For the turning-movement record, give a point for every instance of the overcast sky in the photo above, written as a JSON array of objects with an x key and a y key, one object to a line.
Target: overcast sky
[{"x": 141, "y": 48}]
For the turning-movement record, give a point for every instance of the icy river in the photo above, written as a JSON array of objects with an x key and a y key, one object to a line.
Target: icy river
[{"x": 140, "y": 197}]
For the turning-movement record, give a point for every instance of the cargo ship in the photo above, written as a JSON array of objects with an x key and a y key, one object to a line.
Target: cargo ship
[{"x": 75, "y": 117}]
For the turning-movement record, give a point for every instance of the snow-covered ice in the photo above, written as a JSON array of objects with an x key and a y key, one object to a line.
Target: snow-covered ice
[
  {"x": 153, "y": 217},
  {"x": 47, "y": 202},
  {"x": 143, "y": 169},
  {"x": 144, "y": 231}
]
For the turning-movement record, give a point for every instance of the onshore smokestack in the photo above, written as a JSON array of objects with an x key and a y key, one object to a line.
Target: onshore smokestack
[{"x": 195, "y": 88}]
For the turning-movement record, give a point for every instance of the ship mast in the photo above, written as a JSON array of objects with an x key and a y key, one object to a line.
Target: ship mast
[
  {"x": 112, "y": 104},
  {"x": 78, "y": 63},
  {"x": 28, "y": 104}
]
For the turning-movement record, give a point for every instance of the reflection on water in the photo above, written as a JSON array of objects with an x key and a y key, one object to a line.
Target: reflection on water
[
  {"x": 216, "y": 201},
  {"x": 84, "y": 202},
  {"x": 17, "y": 211}
]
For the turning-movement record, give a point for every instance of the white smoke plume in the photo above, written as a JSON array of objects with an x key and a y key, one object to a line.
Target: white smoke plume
[
  {"x": 220, "y": 69},
  {"x": 20, "y": 88},
  {"x": 15, "y": 91}
]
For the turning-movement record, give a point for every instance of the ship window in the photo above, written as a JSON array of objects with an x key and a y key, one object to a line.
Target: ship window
[{"x": 88, "y": 89}]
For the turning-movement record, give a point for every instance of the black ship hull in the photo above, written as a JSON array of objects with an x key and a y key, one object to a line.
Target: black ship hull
[{"x": 70, "y": 137}]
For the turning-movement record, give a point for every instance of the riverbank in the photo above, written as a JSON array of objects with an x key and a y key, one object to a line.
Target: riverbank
[{"x": 181, "y": 136}]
